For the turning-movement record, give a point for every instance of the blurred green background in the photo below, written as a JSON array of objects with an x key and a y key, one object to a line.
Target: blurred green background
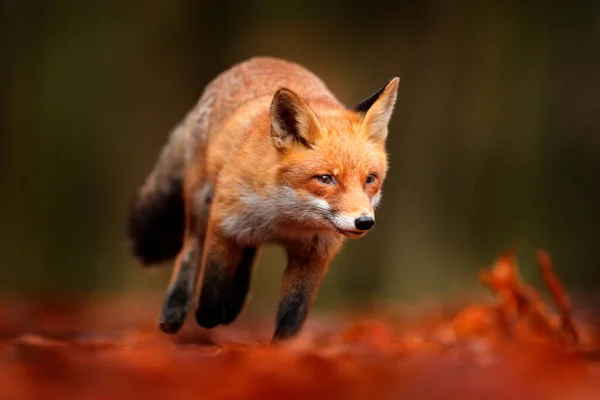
[{"x": 495, "y": 141}]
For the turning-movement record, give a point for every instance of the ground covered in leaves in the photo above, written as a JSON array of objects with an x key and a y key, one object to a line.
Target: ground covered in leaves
[{"x": 513, "y": 347}]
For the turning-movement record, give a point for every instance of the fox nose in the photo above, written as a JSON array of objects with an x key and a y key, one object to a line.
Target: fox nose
[{"x": 364, "y": 223}]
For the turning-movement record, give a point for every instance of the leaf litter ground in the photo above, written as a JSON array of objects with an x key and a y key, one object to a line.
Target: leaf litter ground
[{"x": 513, "y": 347}]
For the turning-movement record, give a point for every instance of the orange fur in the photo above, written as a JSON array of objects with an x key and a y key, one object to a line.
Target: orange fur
[{"x": 269, "y": 155}]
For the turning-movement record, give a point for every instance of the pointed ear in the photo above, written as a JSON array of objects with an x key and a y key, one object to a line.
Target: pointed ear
[
  {"x": 292, "y": 121},
  {"x": 377, "y": 109}
]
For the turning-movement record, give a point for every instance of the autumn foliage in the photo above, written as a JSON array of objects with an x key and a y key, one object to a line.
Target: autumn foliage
[{"x": 514, "y": 347}]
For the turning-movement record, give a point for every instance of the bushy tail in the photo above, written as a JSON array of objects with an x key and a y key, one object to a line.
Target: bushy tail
[{"x": 156, "y": 218}]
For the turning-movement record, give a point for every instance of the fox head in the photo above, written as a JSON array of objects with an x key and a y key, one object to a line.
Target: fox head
[{"x": 333, "y": 158}]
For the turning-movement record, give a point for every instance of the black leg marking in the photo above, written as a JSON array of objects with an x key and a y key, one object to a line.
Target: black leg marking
[
  {"x": 291, "y": 314},
  {"x": 224, "y": 289},
  {"x": 239, "y": 286},
  {"x": 307, "y": 265},
  {"x": 178, "y": 297},
  {"x": 208, "y": 314},
  {"x": 183, "y": 284}
]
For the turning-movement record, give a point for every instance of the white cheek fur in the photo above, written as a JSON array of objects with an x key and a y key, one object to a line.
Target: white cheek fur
[
  {"x": 261, "y": 213},
  {"x": 376, "y": 199},
  {"x": 319, "y": 203},
  {"x": 343, "y": 222}
]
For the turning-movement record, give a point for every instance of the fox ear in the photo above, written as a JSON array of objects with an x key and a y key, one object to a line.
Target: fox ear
[
  {"x": 292, "y": 121},
  {"x": 377, "y": 109}
]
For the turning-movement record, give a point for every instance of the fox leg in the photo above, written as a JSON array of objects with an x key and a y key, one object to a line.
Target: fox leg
[
  {"x": 239, "y": 284},
  {"x": 227, "y": 273},
  {"x": 185, "y": 274},
  {"x": 306, "y": 268}
]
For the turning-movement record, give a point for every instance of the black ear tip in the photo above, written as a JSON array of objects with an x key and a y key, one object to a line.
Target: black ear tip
[
  {"x": 364, "y": 105},
  {"x": 388, "y": 82}
]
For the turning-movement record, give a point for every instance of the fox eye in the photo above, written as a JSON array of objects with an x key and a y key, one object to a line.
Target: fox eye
[
  {"x": 325, "y": 179},
  {"x": 371, "y": 178}
]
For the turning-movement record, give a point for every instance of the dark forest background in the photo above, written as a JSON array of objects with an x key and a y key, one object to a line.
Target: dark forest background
[{"x": 495, "y": 142}]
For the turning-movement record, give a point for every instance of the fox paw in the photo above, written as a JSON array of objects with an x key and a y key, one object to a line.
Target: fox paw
[
  {"x": 174, "y": 310},
  {"x": 231, "y": 310},
  {"x": 209, "y": 316},
  {"x": 225, "y": 311}
]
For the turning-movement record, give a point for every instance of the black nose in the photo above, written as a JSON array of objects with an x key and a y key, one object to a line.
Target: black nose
[{"x": 364, "y": 223}]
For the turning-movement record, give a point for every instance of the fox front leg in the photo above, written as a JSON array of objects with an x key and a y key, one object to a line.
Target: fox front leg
[
  {"x": 305, "y": 271},
  {"x": 227, "y": 273}
]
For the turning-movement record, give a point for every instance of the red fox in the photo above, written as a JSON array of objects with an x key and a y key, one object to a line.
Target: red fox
[{"x": 267, "y": 155}]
